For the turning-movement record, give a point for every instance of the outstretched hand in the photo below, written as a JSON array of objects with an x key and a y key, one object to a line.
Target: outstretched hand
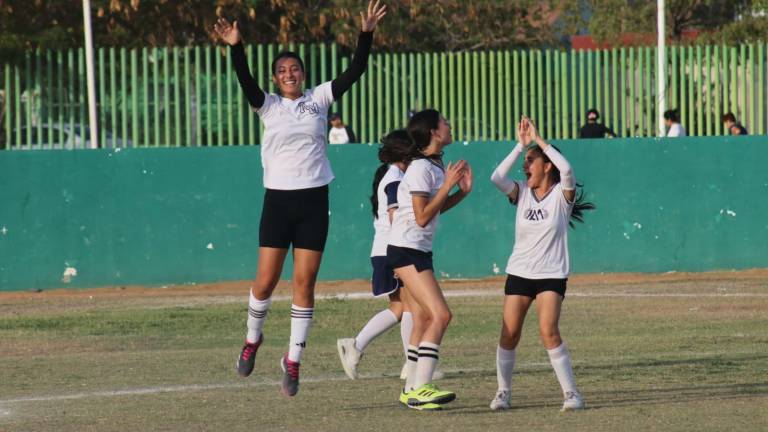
[
  {"x": 227, "y": 32},
  {"x": 375, "y": 13}
]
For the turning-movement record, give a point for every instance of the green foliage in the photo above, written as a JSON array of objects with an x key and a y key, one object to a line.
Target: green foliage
[
  {"x": 414, "y": 25},
  {"x": 721, "y": 21}
]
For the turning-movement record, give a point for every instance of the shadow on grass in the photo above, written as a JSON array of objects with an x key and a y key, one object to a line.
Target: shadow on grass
[{"x": 627, "y": 396}]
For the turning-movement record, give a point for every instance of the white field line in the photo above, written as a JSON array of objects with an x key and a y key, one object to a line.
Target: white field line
[
  {"x": 322, "y": 379},
  {"x": 358, "y": 296}
]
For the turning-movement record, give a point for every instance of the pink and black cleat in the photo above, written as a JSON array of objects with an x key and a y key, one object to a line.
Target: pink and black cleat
[
  {"x": 290, "y": 385},
  {"x": 247, "y": 359}
]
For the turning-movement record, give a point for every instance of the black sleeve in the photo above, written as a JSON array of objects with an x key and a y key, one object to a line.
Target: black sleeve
[
  {"x": 253, "y": 92},
  {"x": 351, "y": 134},
  {"x": 344, "y": 82}
]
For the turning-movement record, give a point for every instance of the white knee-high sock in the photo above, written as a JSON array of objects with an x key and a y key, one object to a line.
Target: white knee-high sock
[
  {"x": 377, "y": 325},
  {"x": 301, "y": 321},
  {"x": 411, "y": 364},
  {"x": 428, "y": 358},
  {"x": 505, "y": 363},
  {"x": 406, "y": 326},
  {"x": 257, "y": 314},
  {"x": 561, "y": 363}
]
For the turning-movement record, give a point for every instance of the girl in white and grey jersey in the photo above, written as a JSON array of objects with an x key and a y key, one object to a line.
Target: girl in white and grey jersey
[
  {"x": 395, "y": 154},
  {"x": 423, "y": 194},
  {"x": 296, "y": 177},
  {"x": 539, "y": 265}
]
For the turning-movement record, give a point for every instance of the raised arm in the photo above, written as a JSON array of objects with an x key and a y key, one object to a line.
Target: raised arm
[
  {"x": 567, "y": 179},
  {"x": 231, "y": 35},
  {"x": 499, "y": 176},
  {"x": 344, "y": 82}
]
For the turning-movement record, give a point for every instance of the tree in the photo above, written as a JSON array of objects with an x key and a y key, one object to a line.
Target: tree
[
  {"x": 723, "y": 20},
  {"x": 411, "y": 25}
]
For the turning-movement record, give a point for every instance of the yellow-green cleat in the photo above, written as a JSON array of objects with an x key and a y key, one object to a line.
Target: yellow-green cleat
[
  {"x": 428, "y": 394},
  {"x": 404, "y": 398}
]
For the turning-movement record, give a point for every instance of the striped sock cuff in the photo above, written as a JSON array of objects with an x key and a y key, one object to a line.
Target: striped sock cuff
[
  {"x": 301, "y": 312},
  {"x": 429, "y": 350},
  {"x": 258, "y": 314},
  {"x": 413, "y": 353}
]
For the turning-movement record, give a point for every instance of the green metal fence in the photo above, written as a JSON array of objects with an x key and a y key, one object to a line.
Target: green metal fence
[{"x": 190, "y": 97}]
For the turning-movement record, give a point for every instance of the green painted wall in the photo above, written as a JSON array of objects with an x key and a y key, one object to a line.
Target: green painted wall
[{"x": 160, "y": 216}]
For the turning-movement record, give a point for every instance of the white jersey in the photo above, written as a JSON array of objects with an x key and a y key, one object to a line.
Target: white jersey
[
  {"x": 293, "y": 149},
  {"x": 676, "y": 130},
  {"x": 423, "y": 177},
  {"x": 386, "y": 194},
  {"x": 541, "y": 235},
  {"x": 338, "y": 136}
]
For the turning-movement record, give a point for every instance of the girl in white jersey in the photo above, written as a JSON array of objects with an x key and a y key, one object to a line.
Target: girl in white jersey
[
  {"x": 539, "y": 266},
  {"x": 394, "y": 154},
  {"x": 296, "y": 177},
  {"x": 423, "y": 194}
]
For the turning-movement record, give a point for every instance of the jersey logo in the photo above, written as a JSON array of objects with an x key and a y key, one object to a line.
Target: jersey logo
[
  {"x": 311, "y": 108},
  {"x": 536, "y": 214}
]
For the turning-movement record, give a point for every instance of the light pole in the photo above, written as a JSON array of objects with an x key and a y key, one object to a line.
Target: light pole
[{"x": 93, "y": 123}]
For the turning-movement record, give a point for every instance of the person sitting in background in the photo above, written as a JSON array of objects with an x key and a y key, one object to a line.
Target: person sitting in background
[
  {"x": 672, "y": 121},
  {"x": 732, "y": 126},
  {"x": 593, "y": 129},
  {"x": 340, "y": 133}
]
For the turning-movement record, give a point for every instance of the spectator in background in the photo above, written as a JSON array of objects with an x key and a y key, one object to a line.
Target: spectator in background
[
  {"x": 672, "y": 121},
  {"x": 340, "y": 133},
  {"x": 732, "y": 126},
  {"x": 593, "y": 129}
]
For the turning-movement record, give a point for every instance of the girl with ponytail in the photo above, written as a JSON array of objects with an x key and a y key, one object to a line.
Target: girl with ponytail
[{"x": 395, "y": 155}]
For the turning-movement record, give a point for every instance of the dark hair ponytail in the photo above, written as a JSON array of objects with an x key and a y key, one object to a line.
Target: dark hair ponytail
[
  {"x": 395, "y": 147},
  {"x": 579, "y": 205},
  {"x": 420, "y": 127}
]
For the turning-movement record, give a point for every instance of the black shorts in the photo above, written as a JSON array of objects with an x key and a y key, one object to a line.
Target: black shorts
[
  {"x": 402, "y": 257},
  {"x": 383, "y": 280},
  {"x": 295, "y": 217},
  {"x": 517, "y": 285}
]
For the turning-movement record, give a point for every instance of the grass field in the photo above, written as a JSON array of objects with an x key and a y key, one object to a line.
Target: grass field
[{"x": 666, "y": 353}]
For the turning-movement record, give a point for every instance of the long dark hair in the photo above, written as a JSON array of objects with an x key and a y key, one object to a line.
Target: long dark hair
[
  {"x": 395, "y": 147},
  {"x": 420, "y": 127},
  {"x": 579, "y": 205}
]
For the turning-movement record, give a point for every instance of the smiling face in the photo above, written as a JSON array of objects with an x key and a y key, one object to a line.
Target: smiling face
[
  {"x": 536, "y": 169},
  {"x": 288, "y": 77}
]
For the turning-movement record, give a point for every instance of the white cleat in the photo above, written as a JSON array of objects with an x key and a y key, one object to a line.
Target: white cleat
[
  {"x": 349, "y": 355},
  {"x": 573, "y": 402},
  {"x": 502, "y": 400}
]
